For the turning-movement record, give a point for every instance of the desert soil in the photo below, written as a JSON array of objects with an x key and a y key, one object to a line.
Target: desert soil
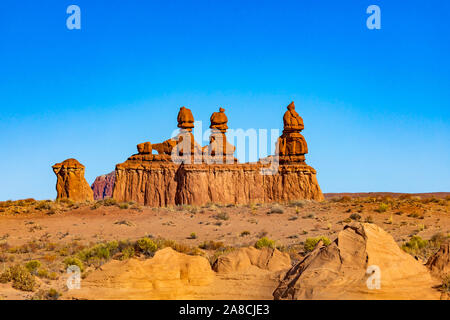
[{"x": 46, "y": 230}]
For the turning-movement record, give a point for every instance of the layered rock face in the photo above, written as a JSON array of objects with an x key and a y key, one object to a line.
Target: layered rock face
[
  {"x": 183, "y": 172},
  {"x": 439, "y": 263},
  {"x": 71, "y": 183},
  {"x": 364, "y": 262},
  {"x": 103, "y": 186}
]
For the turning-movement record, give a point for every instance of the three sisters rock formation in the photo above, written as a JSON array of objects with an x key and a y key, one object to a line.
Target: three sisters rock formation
[{"x": 184, "y": 172}]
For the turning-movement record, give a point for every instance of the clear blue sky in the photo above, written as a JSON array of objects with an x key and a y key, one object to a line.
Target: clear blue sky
[{"x": 376, "y": 103}]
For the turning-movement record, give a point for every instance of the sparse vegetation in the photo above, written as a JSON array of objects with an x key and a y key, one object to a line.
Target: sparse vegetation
[
  {"x": 222, "y": 216},
  {"x": 265, "y": 242},
  {"x": 21, "y": 278},
  {"x": 310, "y": 243},
  {"x": 382, "y": 207},
  {"x": 276, "y": 209}
]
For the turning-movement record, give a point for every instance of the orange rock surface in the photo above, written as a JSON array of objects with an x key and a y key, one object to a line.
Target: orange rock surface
[
  {"x": 71, "y": 183},
  {"x": 340, "y": 270}
]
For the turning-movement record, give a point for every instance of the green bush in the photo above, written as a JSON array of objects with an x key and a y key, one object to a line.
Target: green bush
[
  {"x": 265, "y": 242},
  {"x": 211, "y": 245},
  {"x": 32, "y": 266},
  {"x": 21, "y": 278},
  {"x": 414, "y": 245},
  {"x": 311, "y": 243},
  {"x": 382, "y": 207},
  {"x": 127, "y": 253},
  {"x": 72, "y": 261},
  {"x": 147, "y": 246}
]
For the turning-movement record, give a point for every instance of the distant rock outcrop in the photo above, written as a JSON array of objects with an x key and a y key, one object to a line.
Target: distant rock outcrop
[
  {"x": 183, "y": 172},
  {"x": 71, "y": 183},
  {"x": 349, "y": 268},
  {"x": 103, "y": 186}
]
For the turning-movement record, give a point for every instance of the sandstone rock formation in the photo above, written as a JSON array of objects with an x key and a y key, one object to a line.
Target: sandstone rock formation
[
  {"x": 173, "y": 275},
  {"x": 439, "y": 263},
  {"x": 103, "y": 186},
  {"x": 292, "y": 145},
  {"x": 219, "y": 150},
  {"x": 338, "y": 271},
  {"x": 185, "y": 173},
  {"x": 71, "y": 183},
  {"x": 244, "y": 259},
  {"x": 168, "y": 275}
]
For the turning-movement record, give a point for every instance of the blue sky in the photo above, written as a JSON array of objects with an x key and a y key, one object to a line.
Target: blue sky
[{"x": 376, "y": 103}]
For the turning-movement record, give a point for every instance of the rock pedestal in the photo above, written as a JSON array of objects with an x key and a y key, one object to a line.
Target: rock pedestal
[
  {"x": 185, "y": 173},
  {"x": 71, "y": 183}
]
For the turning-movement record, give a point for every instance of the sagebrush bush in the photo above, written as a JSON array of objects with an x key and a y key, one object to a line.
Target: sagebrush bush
[
  {"x": 147, "y": 246},
  {"x": 310, "y": 243},
  {"x": 21, "y": 278},
  {"x": 32, "y": 266},
  {"x": 265, "y": 242},
  {"x": 382, "y": 207},
  {"x": 72, "y": 261},
  {"x": 211, "y": 245}
]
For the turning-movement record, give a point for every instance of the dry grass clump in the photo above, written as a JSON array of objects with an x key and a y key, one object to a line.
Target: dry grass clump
[
  {"x": 222, "y": 216},
  {"x": 211, "y": 245},
  {"x": 265, "y": 242},
  {"x": 20, "y": 277},
  {"x": 276, "y": 209},
  {"x": 422, "y": 248},
  {"x": 311, "y": 243}
]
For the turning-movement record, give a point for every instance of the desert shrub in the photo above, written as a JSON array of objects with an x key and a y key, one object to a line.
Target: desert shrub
[
  {"x": 44, "y": 205},
  {"x": 147, "y": 246},
  {"x": 276, "y": 209},
  {"x": 72, "y": 261},
  {"x": 265, "y": 242},
  {"x": 51, "y": 294},
  {"x": 124, "y": 206},
  {"x": 345, "y": 199},
  {"x": 32, "y": 266},
  {"x": 445, "y": 286},
  {"x": 127, "y": 253},
  {"x": 222, "y": 216},
  {"x": 193, "y": 235},
  {"x": 310, "y": 243},
  {"x": 382, "y": 207},
  {"x": 21, "y": 278},
  {"x": 415, "y": 245},
  {"x": 211, "y": 245},
  {"x": 297, "y": 203},
  {"x": 417, "y": 215},
  {"x": 109, "y": 202}
]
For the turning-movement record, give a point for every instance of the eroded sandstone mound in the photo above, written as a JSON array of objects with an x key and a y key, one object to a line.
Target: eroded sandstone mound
[
  {"x": 339, "y": 271},
  {"x": 183, "y": 172},
  {"x": 71, "y": 183},
  {"x": 439, "y": 263},
  {"x": 168, "y": 275},
  {"x": 243, "y": 259},
  {"x": 103, "y": 186},
  {"x": 173, "y": 275}
]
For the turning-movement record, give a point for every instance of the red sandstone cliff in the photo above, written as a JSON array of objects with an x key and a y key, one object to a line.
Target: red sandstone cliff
[
  {"x": 157, "y": 180},
  {"x": 103, "y": 186}
]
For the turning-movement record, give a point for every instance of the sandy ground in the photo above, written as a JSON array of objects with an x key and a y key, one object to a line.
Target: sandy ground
[{"x": 288, "y": 224}]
